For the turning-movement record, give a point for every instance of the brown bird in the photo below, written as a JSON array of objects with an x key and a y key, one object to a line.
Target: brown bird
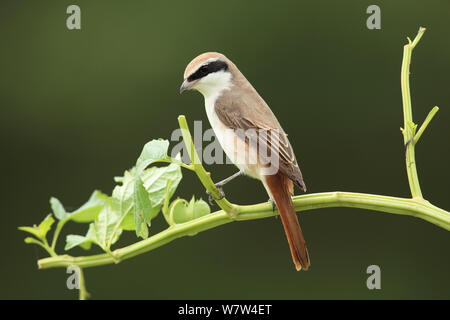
[{"x": 251, "y": 137}]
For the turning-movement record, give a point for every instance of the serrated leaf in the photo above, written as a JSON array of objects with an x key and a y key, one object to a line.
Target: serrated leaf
[
  {"x": 142, "y": 191},
  {"x": 106, "y": 222},
  {"x": 124, "y": 193},
  {"x": 45, "y": 226},
  {"x": 142, "y": 205},
  {"x": 104, "y": 231},
  {"x": 165, "y": 206},
  {"x": 156, "y": 180},
  {"x": 125, "y": 197},
  {"x": 89, "y": 211},
  {"x": 153, "y": 151},
  {"x": 135, "y": 203},
  {"x": 33, "y": 230},
  {"x": 141, "y": 208},
  {"x": 141, "y": 229},
  {"x": 73, "y": 240},
  {"x": 86, "y": 213},
  {"x": 84, "y": 242},
  {"x": 40, "y": 231},
  {"x": 128, "y": 222}
]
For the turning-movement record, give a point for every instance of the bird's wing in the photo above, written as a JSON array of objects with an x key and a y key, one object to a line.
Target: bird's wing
[{"x": 235, "y": 113}]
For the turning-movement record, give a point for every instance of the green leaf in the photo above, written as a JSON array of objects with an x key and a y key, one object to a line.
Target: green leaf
[
  {"x": 86, "y": 213},
  {"x": 105, "y": 224},
  {"x": 141, "y": 229},
  {"x": 165, "y": 206},
  {"x": 142, "y": 191},
  {"x": 45, "y": 226},
  {"x": 73, "y": 240},
  {"x": 84, "y": 242},
  {"x": 89, "y": 211},
  {"x": 141, "y": 208},
  {"x": 104, "y": 231},
  {"x": 29, "y": 240},
  {"x": 156, "y": 180},
  {"x": 153, "y": 151},
  {"x": 141, "y": 195},
  {"x": 161, "y": 184},
  {"x": 58, "y": 209},
  {"x": 125, "y": 195},
  {"x": 33, "y": 230},
  {"x": 40, "y": 231},
  {"x": 128, "y": 223}
]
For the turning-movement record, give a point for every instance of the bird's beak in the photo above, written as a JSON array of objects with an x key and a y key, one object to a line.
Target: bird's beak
[{"x": 186, "y": 85}]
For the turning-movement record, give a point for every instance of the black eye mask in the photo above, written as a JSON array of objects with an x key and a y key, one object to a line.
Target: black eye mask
[{"x": 211, "y": 67}]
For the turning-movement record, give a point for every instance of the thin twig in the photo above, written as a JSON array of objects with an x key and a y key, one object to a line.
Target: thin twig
[
  {"x": 425, "y": 124},
  {"x": 409, "y": 128},
  {"x": 204, "y": 176}
]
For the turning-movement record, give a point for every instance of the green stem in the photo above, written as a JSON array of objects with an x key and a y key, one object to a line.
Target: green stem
[
  {"x": 180, "y": 163},
  {"x": 204, "y": 176},
  {"x": 48, "y": 248},
  {"x": 409, "y": 127},
  {"x": 425, "y": 124},
  {"x": 83, "y": 294},
  {"x": 413, "y": 207},
  {"x": 58, "y": 229},
  {"x": 43, "y": 245}
]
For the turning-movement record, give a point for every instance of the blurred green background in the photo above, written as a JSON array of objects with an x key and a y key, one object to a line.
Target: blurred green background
[{"x": 77, "y": 106}]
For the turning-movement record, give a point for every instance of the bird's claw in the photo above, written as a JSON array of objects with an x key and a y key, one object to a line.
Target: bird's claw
[{"x": 211, "y": 199}]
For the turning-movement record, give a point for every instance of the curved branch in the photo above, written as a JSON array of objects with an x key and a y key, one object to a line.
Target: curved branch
[{"x": 413, "y": 207}]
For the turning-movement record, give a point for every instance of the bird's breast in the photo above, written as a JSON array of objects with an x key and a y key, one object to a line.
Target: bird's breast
[{"x": 235, "y": 148}]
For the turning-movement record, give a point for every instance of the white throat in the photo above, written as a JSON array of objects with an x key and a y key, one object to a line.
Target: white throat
[{"x": 213, "y": 85}]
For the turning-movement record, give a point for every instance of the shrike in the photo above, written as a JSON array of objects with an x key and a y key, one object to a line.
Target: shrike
[{"x": 244, "y": 125}]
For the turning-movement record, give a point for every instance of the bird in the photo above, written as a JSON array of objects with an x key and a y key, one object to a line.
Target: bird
[{"x": 244, "y": 125}]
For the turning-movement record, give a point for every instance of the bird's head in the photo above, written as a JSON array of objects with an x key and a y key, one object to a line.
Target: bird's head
[{"x": 209, "y": 73}]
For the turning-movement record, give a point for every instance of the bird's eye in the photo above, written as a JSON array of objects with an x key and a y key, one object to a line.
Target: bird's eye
[{"x": 204, "y": 69}]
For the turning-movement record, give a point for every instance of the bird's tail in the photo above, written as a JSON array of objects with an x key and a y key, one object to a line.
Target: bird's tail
[{"x": 281, "y": 188}]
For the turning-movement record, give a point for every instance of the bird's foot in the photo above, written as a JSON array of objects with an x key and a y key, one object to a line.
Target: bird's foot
[{"x": 211, "y": 199}]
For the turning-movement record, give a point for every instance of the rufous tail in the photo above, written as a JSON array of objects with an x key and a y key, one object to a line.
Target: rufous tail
[{"x": 281, "y": 188}]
